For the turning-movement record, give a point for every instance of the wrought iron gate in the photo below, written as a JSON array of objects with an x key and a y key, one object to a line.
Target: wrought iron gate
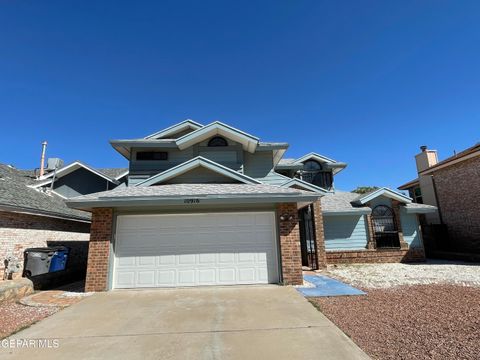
[
  {"x": 308, "y": 242},
  {"x": 385, "y": 227}
]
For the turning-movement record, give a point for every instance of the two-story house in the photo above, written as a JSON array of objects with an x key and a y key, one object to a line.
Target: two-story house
[
  {"x": 452, "y": 185},
  {"x": 213, "y": 205}
]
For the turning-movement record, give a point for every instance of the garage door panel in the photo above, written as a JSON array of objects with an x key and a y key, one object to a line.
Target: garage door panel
[{"x": 196, "y": 249}]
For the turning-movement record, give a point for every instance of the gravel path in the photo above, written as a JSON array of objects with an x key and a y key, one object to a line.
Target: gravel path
[
  {"x": 14, "y": 317},
  {"x": 410, "y": 322},
  {"x": 387, "y": 275}
]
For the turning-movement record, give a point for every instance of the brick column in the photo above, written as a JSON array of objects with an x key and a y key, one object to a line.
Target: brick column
[
  {"x": 371, "y": 233},
  {"x": 99, "y": 249},
  {"x": 290, "y": 244},
  {"x": 396, "y": 210},
  {"x": 319, "y": 234}
]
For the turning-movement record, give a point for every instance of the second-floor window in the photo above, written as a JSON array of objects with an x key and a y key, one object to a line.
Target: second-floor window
[
  {"x": 152, "y": 155},
  {"x": 417, "y": 196},
  {"x": 313, "y": 173}
]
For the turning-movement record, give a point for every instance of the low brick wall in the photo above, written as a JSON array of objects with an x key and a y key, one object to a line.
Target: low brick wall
[
  {"x": 374, "y": 256},
  {"x": 21, "y": 231}
]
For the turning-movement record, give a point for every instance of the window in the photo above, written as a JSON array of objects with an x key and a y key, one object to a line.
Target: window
[
  {"x": 312, "y": 173},
  {"x": 417, "y": 196},
  {"x": 217, "y": 141},
  {"x": 152, "y": 155}
]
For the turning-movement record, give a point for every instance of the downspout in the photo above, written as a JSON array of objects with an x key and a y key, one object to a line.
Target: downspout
[{"x": 436, "y": 199}]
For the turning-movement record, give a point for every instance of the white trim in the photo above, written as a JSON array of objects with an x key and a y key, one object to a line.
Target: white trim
[
  {"x": 249, "y": 142},
  {"x": 125, "y": 173},
  {"x": 305, "y": 185},
  {"x": 185, "y": 124},
  {"x": 384, "y": 192},
  {"x": 315, "y": 156}
]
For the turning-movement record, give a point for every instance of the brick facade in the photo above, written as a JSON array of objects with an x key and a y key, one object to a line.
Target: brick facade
[
  {"x": 375, "y": 256},
  {"x": 291, "y": 257},
  {"x": 458, "y": 192},
  {"x": 319, "y": 234},
  {"x": 20, "y": 231},
  {"x": 99, "y": 250}
]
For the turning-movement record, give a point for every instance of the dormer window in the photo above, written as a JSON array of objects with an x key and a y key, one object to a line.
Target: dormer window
[
  {"x": 314, "y": 174},
  {"x": 217, "y": 141}
]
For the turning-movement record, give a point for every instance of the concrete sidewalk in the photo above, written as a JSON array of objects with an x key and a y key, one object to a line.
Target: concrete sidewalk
[{"x": 254, "y": 322}]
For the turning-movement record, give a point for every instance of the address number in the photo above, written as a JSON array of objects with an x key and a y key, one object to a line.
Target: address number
[{"x": 191, "y": 201}]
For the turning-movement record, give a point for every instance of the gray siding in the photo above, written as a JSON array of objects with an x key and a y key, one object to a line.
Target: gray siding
[
  {"x": 81, "y": 182},
  {"x": 258, "y": 165},
  {"x": 200, "y": 175},
  {"x": 411, "y": 229},
  {"x": 345, "y": 232}
]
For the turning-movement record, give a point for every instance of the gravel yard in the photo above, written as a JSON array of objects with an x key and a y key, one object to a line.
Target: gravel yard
[
  {"x": 411, "y": 311},
  {"x": 14, "y": 317},
  {"x": 410, "y": 322},
  {"x": 382, "y": 276}
]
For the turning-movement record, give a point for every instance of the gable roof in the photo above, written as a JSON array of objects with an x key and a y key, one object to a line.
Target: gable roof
[
  {"x": 16, "y": 195},
  {"x": 248, "y": 142},
  {"x": 466, "y": 154},
  {"x": 194, "y": 163},
  {"x": 298, "y": 183},
  {"x": 47, "y": 179},
  {"x": 171, "y": 130},
  {"x": 365, "y": 198},
  {"x": 410, "y": 184},
  {"x": 336, "y": 166}
]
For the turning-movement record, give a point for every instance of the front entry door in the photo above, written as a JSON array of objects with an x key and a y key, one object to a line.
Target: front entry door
[{"x": 307, "y": 237}]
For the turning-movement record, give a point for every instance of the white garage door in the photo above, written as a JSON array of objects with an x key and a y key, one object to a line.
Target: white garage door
[{"x": 195, "y": 249}]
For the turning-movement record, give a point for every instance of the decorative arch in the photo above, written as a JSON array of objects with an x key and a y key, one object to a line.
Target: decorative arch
[{"x": 217, "y": 141}]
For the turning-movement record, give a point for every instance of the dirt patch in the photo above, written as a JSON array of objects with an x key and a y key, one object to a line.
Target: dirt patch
[
  {"x": 410, "y": 322},
  {"x": 14, "y": 317}
]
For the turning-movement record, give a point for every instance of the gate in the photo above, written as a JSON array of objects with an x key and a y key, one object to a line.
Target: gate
[
  {"x": 385, "y": 227},
  {"x": 308, "y": 242}
]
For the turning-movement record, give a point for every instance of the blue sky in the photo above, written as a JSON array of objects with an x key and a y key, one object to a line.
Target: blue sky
[{"x": 365, "y": 82}]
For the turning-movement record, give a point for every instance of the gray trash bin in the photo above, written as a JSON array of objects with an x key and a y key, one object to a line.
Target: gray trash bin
[{"x": 37, "y": 261}]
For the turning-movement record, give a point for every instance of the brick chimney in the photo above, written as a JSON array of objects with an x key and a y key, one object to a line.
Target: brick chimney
[{"x": 426, "y": 158}]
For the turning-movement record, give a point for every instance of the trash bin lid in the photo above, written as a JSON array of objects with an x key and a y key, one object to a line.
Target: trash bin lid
[{"x": 40, "y": 249}]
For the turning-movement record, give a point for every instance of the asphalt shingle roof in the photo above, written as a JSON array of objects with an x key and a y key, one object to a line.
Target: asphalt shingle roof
[
  {"x": 15, "y": 192},
  {"x": 172, "y": 190},
  {"x": 340, "y": 202},
  {"x": 112, "y": 172}
]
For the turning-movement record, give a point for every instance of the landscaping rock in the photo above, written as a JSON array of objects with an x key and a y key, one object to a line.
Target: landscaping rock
[{"x": 14, "y": 290}]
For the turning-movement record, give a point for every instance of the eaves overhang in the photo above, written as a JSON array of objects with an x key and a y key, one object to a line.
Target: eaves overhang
[{"x": 190, "y": 201}]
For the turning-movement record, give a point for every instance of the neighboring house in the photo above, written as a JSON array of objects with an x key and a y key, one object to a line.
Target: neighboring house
[
  {"x": 213, "y": 205},
  {"x": 452, "y": 185},
  {"x": 33, "y": 212}
]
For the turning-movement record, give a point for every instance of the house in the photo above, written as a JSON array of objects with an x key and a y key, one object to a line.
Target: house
[
  {"x": 214, "y": 205},
  {"x": 453, "y": 186},
  {"x": 33, "y": 212}
]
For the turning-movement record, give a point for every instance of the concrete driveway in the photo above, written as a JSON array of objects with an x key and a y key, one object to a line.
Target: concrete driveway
[{"x": 255, "y": 322}]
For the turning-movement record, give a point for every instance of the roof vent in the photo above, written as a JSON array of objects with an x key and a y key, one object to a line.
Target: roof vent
[
  {"x": 423, "y": 148},
  {"x": 54, "y": 163}
]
